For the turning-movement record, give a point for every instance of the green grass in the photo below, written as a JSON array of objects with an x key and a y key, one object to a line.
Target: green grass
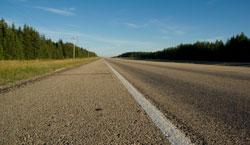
[{"x": 14, "y": 70}]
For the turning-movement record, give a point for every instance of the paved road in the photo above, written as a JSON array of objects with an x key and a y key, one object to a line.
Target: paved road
[
  {"x": 209, "y": 103},
  {"x": 85, "y": 105}
]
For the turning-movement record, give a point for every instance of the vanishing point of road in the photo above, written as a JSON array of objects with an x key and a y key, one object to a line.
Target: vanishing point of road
[{"x": 209, "y": 104}]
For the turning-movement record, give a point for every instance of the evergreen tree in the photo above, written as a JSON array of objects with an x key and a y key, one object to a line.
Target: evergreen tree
[
  {"x": 1, "y": 52},
  {"x": 4, "y": 39},
  {"x": 27, "y": 40},
  {"x": 2, "y": 23},
  {"x": 1, "y": 47},
  {"x": 27, "y": 43},
  {"x": 60, "y": 49},
  {"x": 236, "y": 49},
  {"x": 19, "y": 44}
]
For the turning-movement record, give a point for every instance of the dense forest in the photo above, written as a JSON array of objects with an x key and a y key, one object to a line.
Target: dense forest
[
  {"x": 26, "y": 43},
  {"x": 235, "y": 49}
]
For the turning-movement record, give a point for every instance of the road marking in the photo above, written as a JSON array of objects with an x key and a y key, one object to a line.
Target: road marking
[{"x": 173, "y": 134}]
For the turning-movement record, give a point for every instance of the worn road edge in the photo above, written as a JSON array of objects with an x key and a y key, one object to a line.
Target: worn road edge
[
  {"x": 8, "y": 88},
  {"x": 174, "y": 135}
]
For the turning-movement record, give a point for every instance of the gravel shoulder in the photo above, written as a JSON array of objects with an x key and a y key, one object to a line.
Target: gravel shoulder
[{"x": 85, "y": 105}]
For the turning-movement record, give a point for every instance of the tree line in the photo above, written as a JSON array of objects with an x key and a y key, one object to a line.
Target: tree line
[
  {"x": 235, "y": 49},
  {"x": 26, "y": 43}
]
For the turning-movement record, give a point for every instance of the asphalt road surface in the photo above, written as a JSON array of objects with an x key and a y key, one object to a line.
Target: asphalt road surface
[
  {"x": 209, "y": 103},
  {"x": 89, "y": 105}
]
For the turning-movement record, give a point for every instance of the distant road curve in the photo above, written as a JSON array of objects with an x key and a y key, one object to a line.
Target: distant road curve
[{"x": 209, "y": 103}]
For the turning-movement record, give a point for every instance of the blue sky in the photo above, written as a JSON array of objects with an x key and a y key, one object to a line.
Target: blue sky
[{"x": 111, "y": 27}]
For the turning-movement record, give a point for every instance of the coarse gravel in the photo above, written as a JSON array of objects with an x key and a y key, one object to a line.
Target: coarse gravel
[{"x": 85, "y": 105}]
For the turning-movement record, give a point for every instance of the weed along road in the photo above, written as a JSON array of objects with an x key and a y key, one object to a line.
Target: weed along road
[{"x": 116, "y": 101}]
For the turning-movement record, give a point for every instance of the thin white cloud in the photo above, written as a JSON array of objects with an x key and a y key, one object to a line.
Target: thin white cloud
[
  {"x": 72, "y": 25},
  {"x": 179, "y": 32},
  {"x": 166, "y": 37},
  {"x": 157, "y": 22},
  {"x": 56, "y": 11},
  {"x": 131, "y": 25},
  {"x": 71, "y": 9}
]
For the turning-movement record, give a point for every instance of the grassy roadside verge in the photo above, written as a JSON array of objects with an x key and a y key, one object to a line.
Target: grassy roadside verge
[{"x": 14, "y": 71}]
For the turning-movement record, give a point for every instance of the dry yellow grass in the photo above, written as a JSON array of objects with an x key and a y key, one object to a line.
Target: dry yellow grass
[{"x": 14, "y": 70}]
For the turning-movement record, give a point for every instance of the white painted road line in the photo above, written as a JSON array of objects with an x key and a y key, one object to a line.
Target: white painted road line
[{"x": 173, "y": 134}]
